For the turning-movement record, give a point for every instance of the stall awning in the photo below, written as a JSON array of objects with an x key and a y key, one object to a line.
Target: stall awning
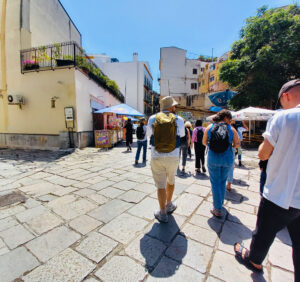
[
  {"x": 252, "y": 113},
  {"x": 96, "y": 106},
  {"x": 121, "y": 109}
]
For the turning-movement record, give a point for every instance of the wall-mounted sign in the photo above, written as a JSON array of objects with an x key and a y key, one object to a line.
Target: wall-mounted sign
[{"x": 69, "y": 114}]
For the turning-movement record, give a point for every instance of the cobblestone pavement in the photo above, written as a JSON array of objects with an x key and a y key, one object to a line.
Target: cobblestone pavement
[{"x": 88, "y": 216}]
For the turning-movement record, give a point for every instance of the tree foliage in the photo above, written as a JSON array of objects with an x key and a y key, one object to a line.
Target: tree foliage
[{"x": 266, "y": 56}]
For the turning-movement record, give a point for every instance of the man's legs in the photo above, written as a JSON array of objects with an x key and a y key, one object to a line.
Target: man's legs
[
  {"x": 161, "y": 195},
  {"x": 169, "y": 192},
  {"x": 294, "y": 230},
  {"x": 144, "y": 151},
  {"x": 139, "y": 147}
]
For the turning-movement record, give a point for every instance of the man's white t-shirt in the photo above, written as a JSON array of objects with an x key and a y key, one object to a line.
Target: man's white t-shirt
[
  {"x": 283, "y": 171},
  {"x": 180, "y": 133}
]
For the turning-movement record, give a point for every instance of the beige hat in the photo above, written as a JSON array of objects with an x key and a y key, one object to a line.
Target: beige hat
[{"x": 167, "y": 102}]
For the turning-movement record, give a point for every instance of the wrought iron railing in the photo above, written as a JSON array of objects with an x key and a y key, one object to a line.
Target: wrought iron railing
[{"x": 66, "y": 55}]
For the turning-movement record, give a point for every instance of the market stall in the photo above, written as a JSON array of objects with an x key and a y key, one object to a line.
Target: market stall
[{"x": 109, "y": 122}]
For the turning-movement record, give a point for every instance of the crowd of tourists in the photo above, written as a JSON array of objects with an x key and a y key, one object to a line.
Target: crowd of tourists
[{"x": 171, "y": 138}]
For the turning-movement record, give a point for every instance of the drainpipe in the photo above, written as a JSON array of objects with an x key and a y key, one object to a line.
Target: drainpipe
[{"x": 3, "y": 91}]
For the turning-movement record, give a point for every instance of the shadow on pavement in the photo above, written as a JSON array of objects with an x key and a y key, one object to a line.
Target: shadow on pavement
[{"x": 153, "y": 247}]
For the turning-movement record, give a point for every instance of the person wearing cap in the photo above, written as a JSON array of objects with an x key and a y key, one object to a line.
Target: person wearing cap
[
  {"x": 280, "y": 204},
  {"x": 164, "y": 164}
]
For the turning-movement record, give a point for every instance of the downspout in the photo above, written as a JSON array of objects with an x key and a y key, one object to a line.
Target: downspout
[{"x": 3, "y": 91}]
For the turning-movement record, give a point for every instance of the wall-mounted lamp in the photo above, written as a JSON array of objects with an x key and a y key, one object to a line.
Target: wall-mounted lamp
[{"x": 53, "y": 100}]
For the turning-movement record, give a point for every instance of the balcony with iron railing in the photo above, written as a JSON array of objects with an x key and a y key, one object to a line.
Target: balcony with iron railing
[{"x": 66, "y": 55}]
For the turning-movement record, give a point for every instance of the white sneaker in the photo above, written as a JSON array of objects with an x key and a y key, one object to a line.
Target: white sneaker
[
  {"x": 163, "y": 218},
  {"x": 171, "y": 207}
]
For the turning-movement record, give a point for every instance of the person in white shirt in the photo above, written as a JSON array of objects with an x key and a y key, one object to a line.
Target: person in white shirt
[
  {"x": 280, "y": 204},
  {"x": 165, "y": 130},
  {"x": 141, "y": 134}
]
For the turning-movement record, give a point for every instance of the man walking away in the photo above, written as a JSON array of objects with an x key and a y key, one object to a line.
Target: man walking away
[
  {"x": 280, "y": 205},
  {"x": 184, "y": 144},
  {"x": 129, "y": 132},
  {"x": 165, "y": 129},
  {"x": 141, "y": 134},
  {"x": 199, "y": 147}
]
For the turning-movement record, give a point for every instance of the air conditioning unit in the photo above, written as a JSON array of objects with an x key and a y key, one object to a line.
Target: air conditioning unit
[{"x": 15, "y": 100}]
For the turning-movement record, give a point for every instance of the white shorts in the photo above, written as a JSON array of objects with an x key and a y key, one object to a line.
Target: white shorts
[{"x": 164, "y": 170}]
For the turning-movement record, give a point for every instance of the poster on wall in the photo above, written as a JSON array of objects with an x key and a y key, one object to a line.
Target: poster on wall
[{"x": 102, "y": 139}]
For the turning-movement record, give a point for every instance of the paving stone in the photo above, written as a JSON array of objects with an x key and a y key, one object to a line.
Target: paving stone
[
  {"x": 187, "y": 203},
  {"x": 15, "y": 263},
  {"x": 241, "y": 207},
  {"x": 132, "y": 196},
  {"x": 207, "y": 223},
  {"x": 31, "y": 203},
  {"x": 281, "y": 255},
  {"x": 226, "y": 268},
  {"x": 111, "y": 192},
  {"x": 7, "y": 223},
  {"x": 96, "y": 246},
  {"x": 40, "y": 175},
  {"x": 145, "y": 209},
  {"x": 170, "y": 270},
  {"x": 145, "y": 188},
  {"x": 199, "y": 190},
  {"x": 47, "y": 198},
  {"x": 81, "y": 185},
  {"x": 15, "y": 236},
  {"x": 30, "y": 213},
  {"x": 91, "y": 279},
  {"x": 251, "y": 198},
  {"x": 67, "y": 266},
  {"x": 242, "y": 218},
  {"x": 125, "y": 185},
  {"x": 123, "y": 228},
  {"x": 84, "y": 192},
  {"x": 61, "y": 181},
  {"x": 117, "y": 270},
  {"x": 64, "y": 191},
  {"x": 145, "y": 249},
  {"x": 3, "y": 250},
  {"x": 232, "y": 233},
  {"x": 233, "y": 196},
  {"x": 2, "y": 245},
  {"x": 205, "y": 208},
  {"x": 101, "y": 185},
  {"x": 74, "y": 209},
  {"x": 95, "y": 180},
  {"x": 52, "y": 243},
  {"x": 99, "y": 199},
  {"x": 44, "y": 222},
  {"x": 282, "y": 236},
  {"x": 110, "y": 210},
  {"x": 279, "y": 275},
  {"x": 40, "y": 188},
  {"x": 190, "y": 253},
  {"x": 10, "y": 211},
  {"x": 84, "y": 224},
  {"x": 165, "y": 232},
  {"x": 213, "y": 279},
  {"x": 199, "y": 234}
]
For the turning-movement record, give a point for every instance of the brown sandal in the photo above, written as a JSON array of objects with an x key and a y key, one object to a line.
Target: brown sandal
[{"x": 216, "y": 213}]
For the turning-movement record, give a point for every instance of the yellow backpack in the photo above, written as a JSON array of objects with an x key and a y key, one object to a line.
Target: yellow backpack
[{"x": 164, "y": 131}]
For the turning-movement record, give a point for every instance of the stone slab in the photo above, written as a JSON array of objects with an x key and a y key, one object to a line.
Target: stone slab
[
  {"x": 187, "y": 203},
  {"x": 111, "y": 192},
  {"x": 132, "y": 196},
  {"x": 145, "y": 249},
  {"x": 117, "y": 269},
  {"x": 44, "y": 222},
  {"x": 280, "y": 255},
  {"x": 125, "y": 185},
  {"x": 29, "y": 214},
  {"x": 96, "y": 246},
  {"x": 145, "y": 188},
  {"x": 6, "y": 212},
  {"x": 67, "y": 266},
  {"x": 241, "y": 217},
  {"x": 84, "y": 224},
  {"x": 110, "y": 210},
  {"x": 165, "y": 232},
  {"x": 15, "y": 263},
  {"x": 7, "y": 223},
  {"x": 207, "y": 223},
  {"x": 123, "y": 228},
  {"x": 84, "y": 192},
  {"x": 99, "y": 199},
  {"x": 171, "y": 270},
  {"x": 101, "y": 185},
  {"x": 52, "y": 243},
  {"x": 64, "y": 191},
  {"x": 40, "y": 188},
  {"x": 15, "y": 236},
  {"x": 145, "y": 209},
  {"x": 279, "y": 275},
  {"x": 199, "y": 190},
  {"x": 190, "y": 253}
]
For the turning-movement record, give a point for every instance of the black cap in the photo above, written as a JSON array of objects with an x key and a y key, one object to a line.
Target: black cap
[{"x": 286, "y": 87}]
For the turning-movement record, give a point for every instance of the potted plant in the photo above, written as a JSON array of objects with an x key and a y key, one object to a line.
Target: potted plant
[
  {"x": 43, "y": 57},
  {"x": 61, "y": 61},
  {"x": 30, "y": 65}
]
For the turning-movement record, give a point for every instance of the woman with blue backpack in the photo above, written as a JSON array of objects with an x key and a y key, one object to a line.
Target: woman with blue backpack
[{"x": 220, "y": 137}]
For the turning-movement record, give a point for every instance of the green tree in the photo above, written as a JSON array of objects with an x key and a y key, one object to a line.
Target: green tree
[{"x": 266, "y": 56}]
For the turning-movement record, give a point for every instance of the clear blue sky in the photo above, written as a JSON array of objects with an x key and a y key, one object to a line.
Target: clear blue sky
[{"x": 121, "y": 27}]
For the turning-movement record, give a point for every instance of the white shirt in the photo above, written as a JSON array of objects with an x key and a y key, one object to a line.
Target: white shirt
[
  {"x": 180, "y": 132},
  {"x": 283, "y": 170}
]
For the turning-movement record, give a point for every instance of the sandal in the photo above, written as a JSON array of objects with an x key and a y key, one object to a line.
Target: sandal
[
  {"x": 197, "y": 170},
  {"x": 216, "y": 213},
  {"x": 228, "y": 187},
  {"x": 243, "y": 258}
]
